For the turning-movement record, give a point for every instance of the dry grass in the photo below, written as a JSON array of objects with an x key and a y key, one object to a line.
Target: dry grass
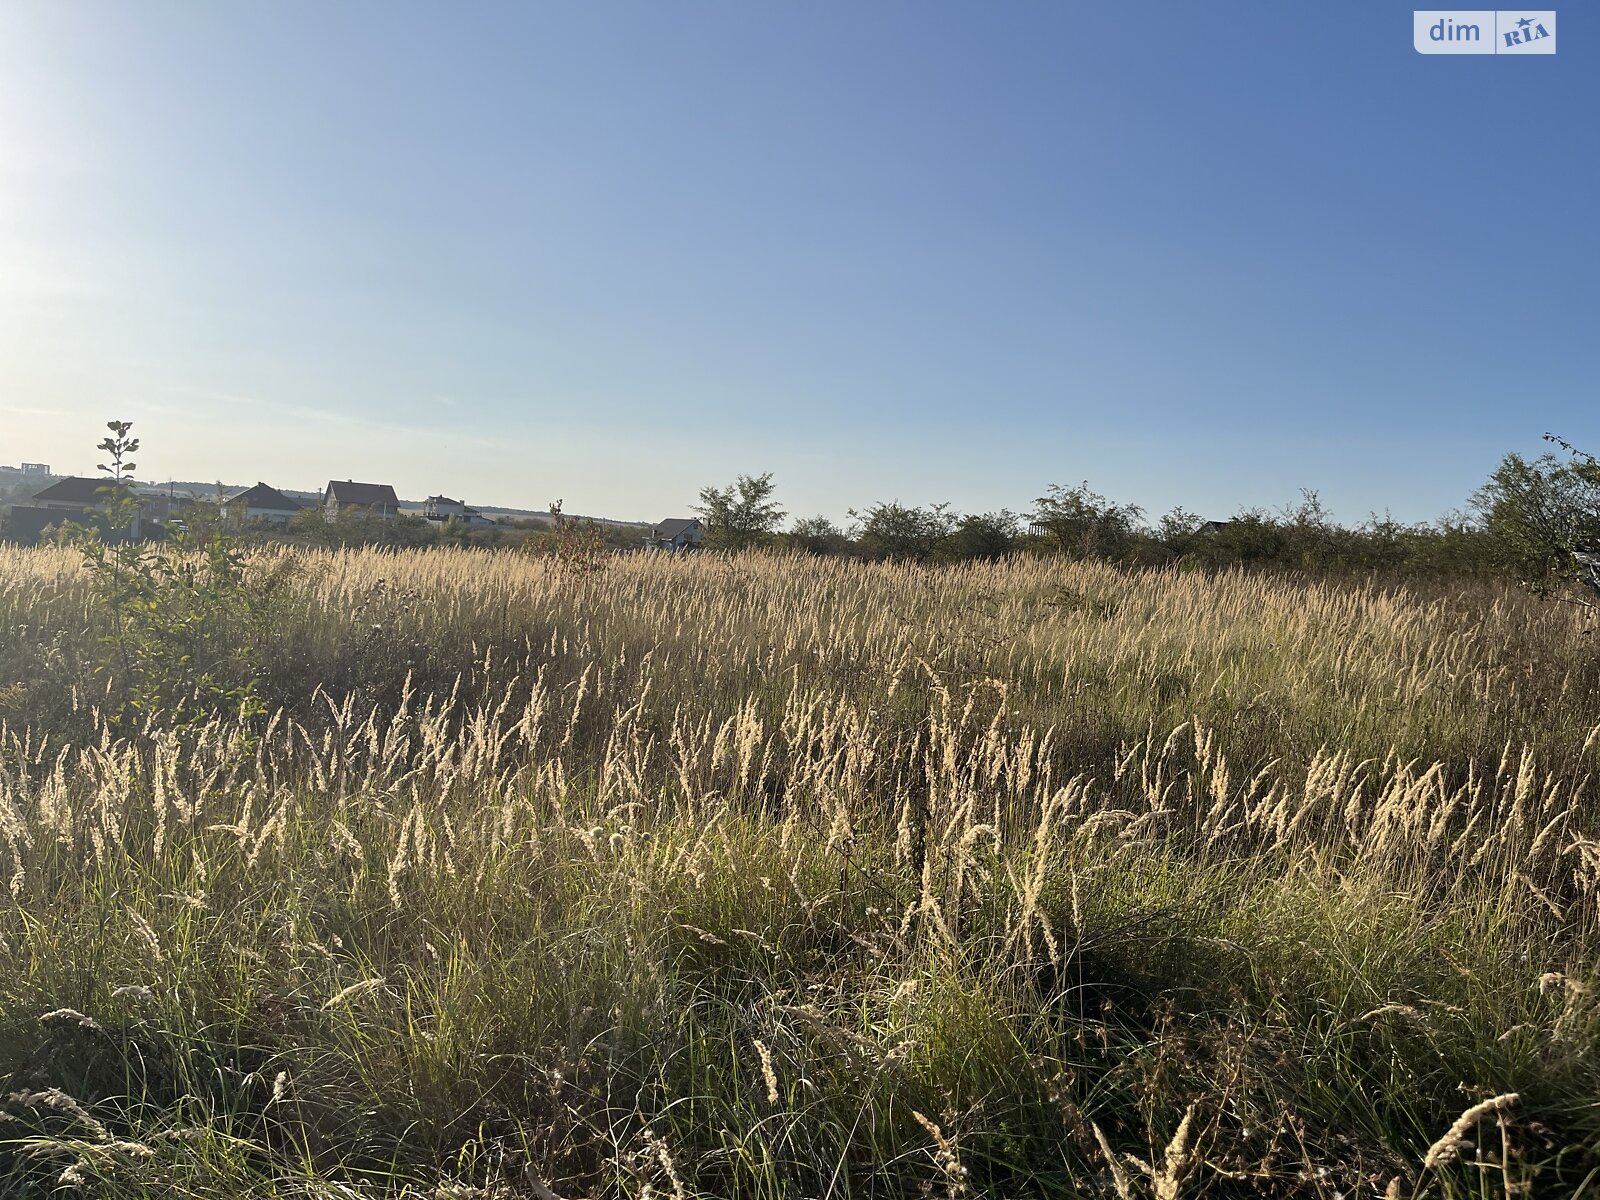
[{"x": 777, "y": 877}]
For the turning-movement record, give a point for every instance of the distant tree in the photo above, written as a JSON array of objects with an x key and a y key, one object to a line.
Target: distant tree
[
  {"x": 817, "y": 535},
  {"x": 360, "y": 527},
  {"x": 454, "y": 532},
  {"x": 980, "y": 537},
  {"x": 311, "y": 526},
  {"x": 1452, "y": 545},
  {"x": 1080, "y": 522},
  {"x": 1539, "y": 515},
  {"x": 1384, "y": 544},
  {"x": 181, "y": 614},
  {"x": 1251, "y": 537},
  {"x": 1311, "y": 537},
  {"x": 741, "y": 515},
  {"x": 896, "y": 533},
  {"x": 1176, "y": 527},
  {"x": 203, "y": 518},
  {"x": 573, "y": 545},
  {"x": 16, "y": 494}
]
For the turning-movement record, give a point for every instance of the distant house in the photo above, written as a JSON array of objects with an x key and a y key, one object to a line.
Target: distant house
[
  {"x": 260, "y": 503},
  {"x": 370, "y": 499},
  {"x": 676, "y": 533},
  {"x": 1209, "y": 528},
  {"x": 443, "y": 508},
  {"x": 75, "y": 498},
  {"x": 40, "y": 469},
  {"x": 72, "y": 494}
]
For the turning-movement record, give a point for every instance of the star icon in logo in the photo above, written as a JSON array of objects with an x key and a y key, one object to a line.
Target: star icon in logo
[{"x": 1525, "y": 22}]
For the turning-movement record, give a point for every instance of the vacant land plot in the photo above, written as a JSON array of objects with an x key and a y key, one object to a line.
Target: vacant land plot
[{"x": 773, "y": 877}]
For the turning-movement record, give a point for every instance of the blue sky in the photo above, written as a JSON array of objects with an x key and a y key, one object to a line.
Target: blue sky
[{"x": 613, "y": 252}]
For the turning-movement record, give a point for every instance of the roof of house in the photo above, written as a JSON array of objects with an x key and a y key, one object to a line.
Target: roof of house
[
  {"x": 262, "y": 496},
  {"x": 75, "y": 489},
  {"x": 375, "y": 495},
  {"x": 673, "y": 526},
  {"x": 442, "y": 500}
]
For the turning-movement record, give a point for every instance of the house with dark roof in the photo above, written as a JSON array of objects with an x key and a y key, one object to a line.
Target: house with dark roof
[
  {"x": 367, "y": 499},
  {"x": 76, "y": 499},
  {"x": 676, "y": 533},
  {"x": 260, "y": 503},
  {"x": 72, "y": 494}
]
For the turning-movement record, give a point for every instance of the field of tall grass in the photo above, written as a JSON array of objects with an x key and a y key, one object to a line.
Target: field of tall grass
[{"x": 758, "y": 876}]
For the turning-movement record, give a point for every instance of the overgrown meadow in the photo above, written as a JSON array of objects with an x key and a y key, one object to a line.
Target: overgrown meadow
[{"x": 760, "y": 876}]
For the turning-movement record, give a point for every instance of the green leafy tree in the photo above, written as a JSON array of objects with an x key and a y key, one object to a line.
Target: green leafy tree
[
  {"x": 454, "y": 532},
  {"x": 1539, "y": 515},
  {"x": 118, "y": 505},
  {"x": 181, "y": 619},
  {"x": 817, "y": 535},
  {"x": 574, "y": 546},
  {"x": 982, "y": 537},
  {"x": 894, "y": 532},
  {"x": 118, "y": 564},
  {"x": 356, "y": 527},
  {"x": 1251, "y": 537},
  {"x": 1312, "y": 539},
  {"x": 311, "y": 527},
  {"x": 742, "y": 515},
  {"x": 1176, "y": 527},
  {"x": 1081, "y": 523}
]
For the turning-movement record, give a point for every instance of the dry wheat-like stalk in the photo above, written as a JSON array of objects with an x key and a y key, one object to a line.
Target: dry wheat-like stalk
[
  {"x": 1119, "y": 1176},
  {"x": 768, "y": 1075},
  {"x": 836, "y": 731},
  {"x": 345, "y": 995},
  {"x": 1454, "y": 1139}
]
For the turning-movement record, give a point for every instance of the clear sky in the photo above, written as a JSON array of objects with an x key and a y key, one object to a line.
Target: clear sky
[{"x": 613, "y": 252}]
